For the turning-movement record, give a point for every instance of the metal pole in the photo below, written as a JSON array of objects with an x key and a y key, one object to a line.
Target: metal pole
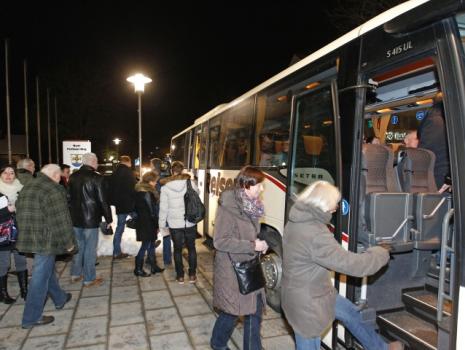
[
  {"x": 7, "y": 93},
  {"x": 26, "y": 112},
  {"x": 49, "y": 131},
  {"x": 56, "y": 132},
  {"x": 39, "y": 146},
  {"x": 139, "y": 94}
]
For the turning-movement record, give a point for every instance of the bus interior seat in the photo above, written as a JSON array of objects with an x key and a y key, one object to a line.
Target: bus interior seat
[
  {"x": 416, "y": 171},
  {"x": 388, "y": 210}
]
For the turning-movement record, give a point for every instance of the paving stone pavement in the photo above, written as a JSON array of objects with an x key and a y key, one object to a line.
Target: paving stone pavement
[{"x": 132, "y": 313}]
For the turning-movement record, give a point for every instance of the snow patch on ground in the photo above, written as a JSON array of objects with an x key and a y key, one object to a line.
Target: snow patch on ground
[{"x": 129, "y": 243}]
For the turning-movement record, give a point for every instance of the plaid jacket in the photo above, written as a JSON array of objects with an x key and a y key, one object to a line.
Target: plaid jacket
[{"x": 44, "y": 221}]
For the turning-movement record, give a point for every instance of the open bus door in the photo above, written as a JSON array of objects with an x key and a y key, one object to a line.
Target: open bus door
[{"x": 315, "y": 140}]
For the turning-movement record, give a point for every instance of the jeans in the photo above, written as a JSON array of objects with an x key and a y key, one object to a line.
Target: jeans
[
  {"x": 84, "y": 260},
  {"x": 119, "y": 233},
  {"x": 349, "y": 315},
  {"x": 181, "y": 236},
  {"x": 146, "y": 246},
  {"x": 43, "y": 282},
  {"x": 20, "y": 261},
  {"x": 224, "y": 326},
  {"x": 167, "y": 250}
]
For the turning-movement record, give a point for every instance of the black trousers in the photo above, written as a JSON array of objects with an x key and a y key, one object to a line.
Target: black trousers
[{"x": 184, "y": 236}]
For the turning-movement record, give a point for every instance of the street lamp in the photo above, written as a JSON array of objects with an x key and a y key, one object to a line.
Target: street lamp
[
  {"x": 117, "y": 141},
  {"x": 139, "y": 80}
]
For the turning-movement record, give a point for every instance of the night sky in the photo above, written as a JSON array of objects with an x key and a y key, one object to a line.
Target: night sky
[{"x": 199, "y": 55}]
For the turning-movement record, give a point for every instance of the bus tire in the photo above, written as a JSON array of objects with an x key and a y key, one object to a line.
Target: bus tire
[{"x": 272, "y": 269}]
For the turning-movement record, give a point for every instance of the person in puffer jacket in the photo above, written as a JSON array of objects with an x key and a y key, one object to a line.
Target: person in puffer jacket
[{"x": 172, "y": 217}]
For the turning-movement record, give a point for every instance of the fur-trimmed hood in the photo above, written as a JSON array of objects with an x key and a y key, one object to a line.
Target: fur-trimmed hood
[
  {"x": 144, "y": 187},
  {"x": 175, "y": 183},
  {"x": 166, "y": 180}
]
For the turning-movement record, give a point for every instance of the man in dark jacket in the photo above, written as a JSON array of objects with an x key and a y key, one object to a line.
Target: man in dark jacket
[
  {"x": 46, "y": 230},
  {"x": 122, "y": 189},
  {"x": 433, "y": 136},
  {"x": 88, "y": 203}
]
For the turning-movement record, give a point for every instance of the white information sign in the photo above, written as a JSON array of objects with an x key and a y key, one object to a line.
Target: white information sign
[{"x": 73, "y": 151}]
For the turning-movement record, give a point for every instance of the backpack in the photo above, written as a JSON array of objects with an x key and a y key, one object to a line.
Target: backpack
[{"x": 193, "y": 206}]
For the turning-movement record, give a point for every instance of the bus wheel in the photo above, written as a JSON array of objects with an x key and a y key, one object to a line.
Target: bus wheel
[{"x": 272, "y": 268}]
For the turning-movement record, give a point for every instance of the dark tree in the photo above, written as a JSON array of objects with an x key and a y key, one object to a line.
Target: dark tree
[{"x": 346, "y": 15}]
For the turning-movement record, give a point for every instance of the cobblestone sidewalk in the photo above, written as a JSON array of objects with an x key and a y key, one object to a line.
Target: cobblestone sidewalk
[{"x": 133, "y": 313}]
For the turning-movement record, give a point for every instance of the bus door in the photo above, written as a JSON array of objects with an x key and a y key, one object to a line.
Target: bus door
[
  {"x": 314, "y": 144},
  {"x": 315, "y": 141},
  {"x": 420, "y": 94}
]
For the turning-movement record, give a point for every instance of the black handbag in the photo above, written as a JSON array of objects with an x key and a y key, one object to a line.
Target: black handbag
[
  {"x": 249, "y": 274},
  {"x": 131, "y": 223},
  {"x": 108, "y": 231}
]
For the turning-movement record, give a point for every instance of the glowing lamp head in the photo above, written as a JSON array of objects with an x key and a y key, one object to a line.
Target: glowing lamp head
[
  {"x": 117, "y": 141},
  {"x": 139, "y": 80}
]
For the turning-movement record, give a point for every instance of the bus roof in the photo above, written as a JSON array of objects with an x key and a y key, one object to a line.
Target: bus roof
[{"x": 353, "y": 34}]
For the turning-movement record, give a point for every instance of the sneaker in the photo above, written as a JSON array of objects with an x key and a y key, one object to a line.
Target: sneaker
[
  {"x": 192, "y": 279},
  {"x": 180, "y": 280},
  {"x": 120, "y": 256},
  {"x": 75, "y": 279},
  {"x": 95, "y": 283}
]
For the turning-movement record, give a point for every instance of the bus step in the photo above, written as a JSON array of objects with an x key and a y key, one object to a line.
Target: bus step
[
  {"x": 423, "y": 303},
  {"x": 415, "y": 332},
  {"x": 431, "y": 282}
]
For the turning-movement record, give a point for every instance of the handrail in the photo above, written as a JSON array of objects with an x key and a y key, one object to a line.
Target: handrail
[
  {"x": 430, "y": 215},
  {"x": 445, "y": 249},
  {"x": 396, "y": 232}
]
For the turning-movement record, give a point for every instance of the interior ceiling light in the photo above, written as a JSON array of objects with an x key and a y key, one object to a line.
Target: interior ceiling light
[
  {"x": 384, "y": 110},
  {"x": 327, "y": 122},
  {"x": 312, "y": 85},
  {"x": 425, "y": 102},
  {"x": 282, "y": 98}
]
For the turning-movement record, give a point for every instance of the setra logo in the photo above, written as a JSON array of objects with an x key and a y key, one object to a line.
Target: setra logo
[{"x": 218, "y": 184}]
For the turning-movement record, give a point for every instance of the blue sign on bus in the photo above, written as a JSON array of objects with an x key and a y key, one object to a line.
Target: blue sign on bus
[
  {"x": 420, "y": 115},
  {"x": 344, "y": 207},
  {"x": 394, "y": 120}
]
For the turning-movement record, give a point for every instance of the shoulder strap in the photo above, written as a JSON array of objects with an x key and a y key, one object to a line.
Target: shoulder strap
[{"x": 189, "y": 185}]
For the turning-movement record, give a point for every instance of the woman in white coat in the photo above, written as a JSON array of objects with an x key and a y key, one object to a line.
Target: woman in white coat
[{"x": 171, "y": 216}]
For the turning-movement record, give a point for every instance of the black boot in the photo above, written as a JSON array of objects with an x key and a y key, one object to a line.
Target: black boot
[
  {"x": 4, "y": 297},
  {"x": 154, "y": 268},
  {"x": 139, "y": 270},
  {"x": 22, "y": 280}
]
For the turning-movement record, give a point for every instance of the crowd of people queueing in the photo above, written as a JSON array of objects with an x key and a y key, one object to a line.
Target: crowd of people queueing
[
  {"x": 54, "y": 219},
  {"x": 52, "y": 213}
]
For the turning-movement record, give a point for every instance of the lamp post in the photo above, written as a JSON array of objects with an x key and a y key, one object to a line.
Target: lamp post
[
  {"x": 117, "y": 141},
  {"x": 139, "y": 80}
]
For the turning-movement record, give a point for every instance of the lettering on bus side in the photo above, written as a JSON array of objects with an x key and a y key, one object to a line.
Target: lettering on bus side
[
  {"x": 218, "y": 184},
  {"x": 399, "y": 49}
]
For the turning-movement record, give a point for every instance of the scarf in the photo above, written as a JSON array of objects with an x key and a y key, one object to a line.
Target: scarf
[
  {"x": 11, "y": 190},
  {"x": 253, "y": 207}
]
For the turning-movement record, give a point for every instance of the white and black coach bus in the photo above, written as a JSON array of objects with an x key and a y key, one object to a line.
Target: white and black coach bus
[{"x": 312, "y": 121}]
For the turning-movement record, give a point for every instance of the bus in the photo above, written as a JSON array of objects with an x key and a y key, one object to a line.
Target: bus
[{"x": 313, "y": 121}]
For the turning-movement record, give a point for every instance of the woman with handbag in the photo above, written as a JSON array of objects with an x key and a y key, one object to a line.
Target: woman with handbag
[
  {"x": 9, "y": 189},
  {"x": 146, "y": 223},
  {"x": 235, "y": 240}
]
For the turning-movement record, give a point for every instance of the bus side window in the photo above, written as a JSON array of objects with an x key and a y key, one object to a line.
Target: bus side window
[
  {"x": 235, "y": 135},
  {"x": 272, "y": 131},
  {"x": 214, "y": 144}
]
